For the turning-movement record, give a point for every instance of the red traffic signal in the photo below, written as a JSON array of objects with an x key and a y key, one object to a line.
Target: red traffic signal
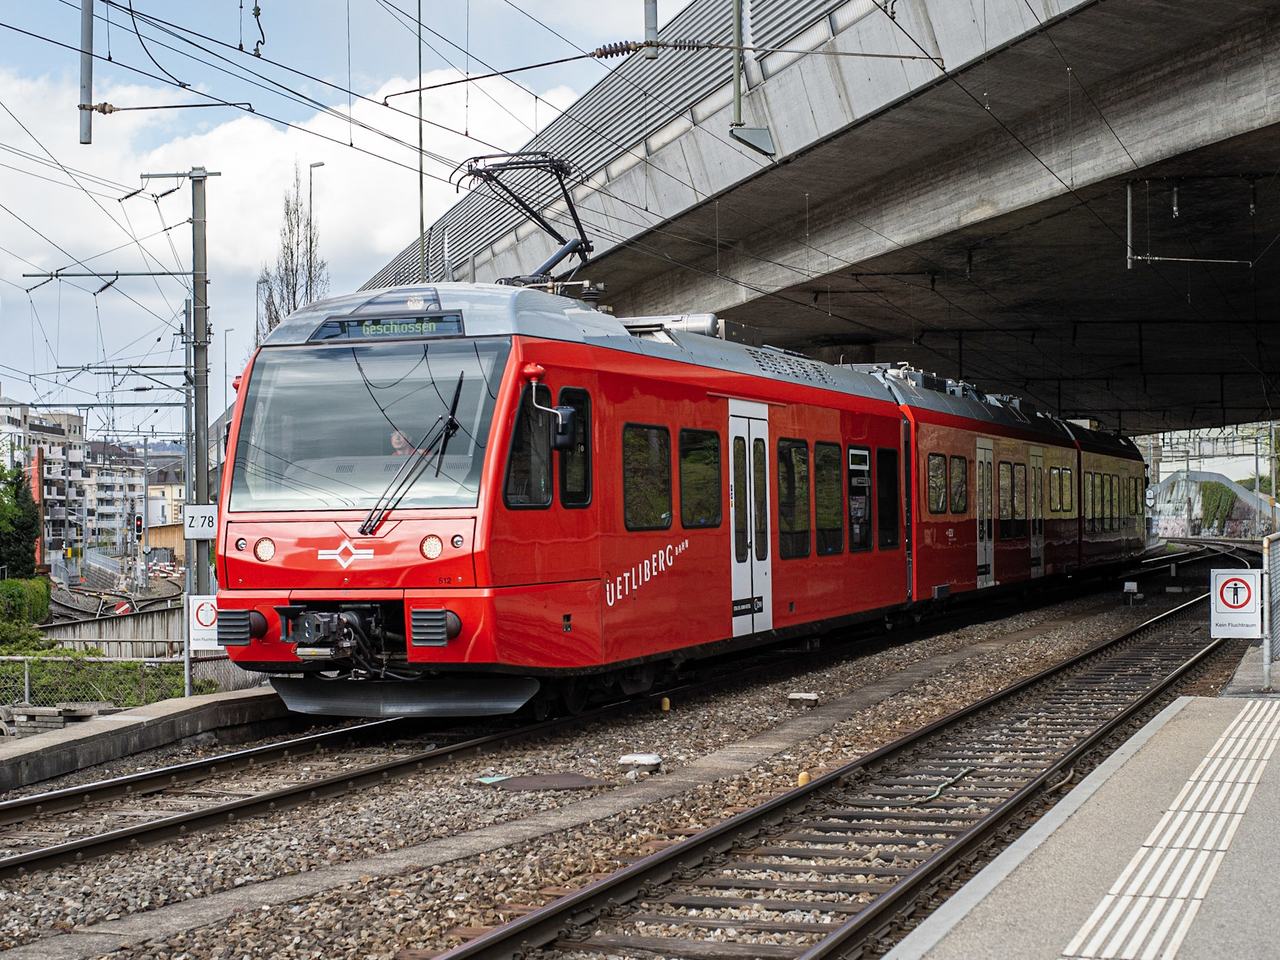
[{"x": 137, "y": 524}]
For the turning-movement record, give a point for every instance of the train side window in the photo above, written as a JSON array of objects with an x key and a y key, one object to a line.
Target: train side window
[
  {"x": 793, "y": 499},
  {"x": 959, "y": 485},
  {"x": 937, "y": 483},
  {"x": 1004, "y": 483},
  {"x": 741, "y": 533},
  {"x": 575, "y": 463},
  {"x": 1055, "y": 489},
  {"x": 528, "y": 482},
  {"x": 859, "y": 499},
  {"x": 1115, "y": 502},
  {"x": 1099, "y": 511},
  {"x": 887, "y": 498},
  {"x": 1019, "y": 501},
  {"x": 1133, "y": 497},
  {"x": 760, "y": 496},
  {"x": 1088, "y": 501},
  {"x": 1068, "y": 500},
  {"x": 699, "y": 478},
  {"x": 828, "y": 484},
  {"x": 646, "y": 477}
]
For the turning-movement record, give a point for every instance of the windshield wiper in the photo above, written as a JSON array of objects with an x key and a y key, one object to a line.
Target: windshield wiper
[{"x": 414, "y": 466}]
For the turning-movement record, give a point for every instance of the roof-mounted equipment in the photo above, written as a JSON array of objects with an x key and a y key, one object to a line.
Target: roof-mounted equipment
[{"x": 491, "y": 170}]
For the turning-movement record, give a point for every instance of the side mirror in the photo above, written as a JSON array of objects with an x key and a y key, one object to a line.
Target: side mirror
[{"x": 564, "y": 428}]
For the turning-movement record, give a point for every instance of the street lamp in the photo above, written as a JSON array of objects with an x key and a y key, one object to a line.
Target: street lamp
[{"x": 310, "y": 187}]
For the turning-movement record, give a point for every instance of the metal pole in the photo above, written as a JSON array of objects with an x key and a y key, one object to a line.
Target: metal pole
[
  {"x": 189, "y": 459},
  {"x": 86, "y": 71},
  {"x": 188, "y": 574},
  {"x": 1267, "y": 613},
  {"x": 1257, "y": 488},
  {"x": 186, "y": 646},
  {"x": 1187, "y": 477},
  {"x": 1128, "y": 247},
  {"x": 146, "y": 508},
  {"x": 651, "y": 28},
  {"x": 422, "y": 216},
  {"x": 737, "y": 63},
  {"x": 200, "y": 358},
  {"x": 311, "y": 253}
]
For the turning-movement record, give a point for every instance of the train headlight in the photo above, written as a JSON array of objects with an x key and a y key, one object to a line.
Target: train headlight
[
  {"x": 431, "y": 546},
  {"x": 264, "y": 549},
  {"x": 457, "y": 540}
]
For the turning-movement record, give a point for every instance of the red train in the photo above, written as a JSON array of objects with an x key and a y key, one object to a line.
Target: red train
[{"x": 462, "y": 499}]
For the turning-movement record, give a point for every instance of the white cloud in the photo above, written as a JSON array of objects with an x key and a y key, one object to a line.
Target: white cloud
[{"x": 366, "y": 207}]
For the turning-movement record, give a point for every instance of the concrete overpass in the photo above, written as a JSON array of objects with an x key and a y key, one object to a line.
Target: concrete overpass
[{"x": 972, "y": 221}]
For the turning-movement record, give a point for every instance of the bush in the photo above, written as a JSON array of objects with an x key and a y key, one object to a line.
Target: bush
[
  {"x": 23, "y": 640},
  {"x": 24, "y": 601}
]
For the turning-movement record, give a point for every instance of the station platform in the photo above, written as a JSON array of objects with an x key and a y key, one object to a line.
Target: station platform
[
  {"x": 1168, "y": 850},
  {"x": 234, "y": 716}
]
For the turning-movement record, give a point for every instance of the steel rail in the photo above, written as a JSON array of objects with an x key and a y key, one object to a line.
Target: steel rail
[
  {"x": 162, "y": 778},
  {"x": 323, "y": 788},
  {"x": 285, "y": 798},
  {"x": 552, "y": 922},
  {"x": 902, "y": 894}
]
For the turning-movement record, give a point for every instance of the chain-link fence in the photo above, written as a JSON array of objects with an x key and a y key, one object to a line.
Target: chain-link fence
[{"x": 46, "y": 681}]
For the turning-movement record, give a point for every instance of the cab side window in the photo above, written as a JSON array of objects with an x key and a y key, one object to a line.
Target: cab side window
[{"x": 528, "y": 482}]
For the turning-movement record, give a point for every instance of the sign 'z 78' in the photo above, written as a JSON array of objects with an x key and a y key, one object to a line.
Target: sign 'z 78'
[{"x": 200, "y": 521}]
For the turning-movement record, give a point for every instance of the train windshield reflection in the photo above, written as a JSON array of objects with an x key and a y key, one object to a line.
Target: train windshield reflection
[{"x": 320, "y": 423}]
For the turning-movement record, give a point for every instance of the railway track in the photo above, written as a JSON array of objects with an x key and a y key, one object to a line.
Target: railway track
[
  {"x": 86, "y": 821},
  {"x": 828, "y": 868}
]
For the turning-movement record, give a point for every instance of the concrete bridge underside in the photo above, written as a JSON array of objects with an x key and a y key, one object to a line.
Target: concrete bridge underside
[{"x": 975, "y": 224}]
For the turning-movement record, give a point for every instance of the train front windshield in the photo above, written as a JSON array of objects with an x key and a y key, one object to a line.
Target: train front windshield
[{"x": 330, "y": 427}]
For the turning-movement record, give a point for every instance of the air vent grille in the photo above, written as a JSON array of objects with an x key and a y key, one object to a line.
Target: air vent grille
[
  {"x": 786, "y": 367},
  {"x": 233, "y": 628},
  {"x": 428, "y": 628}
]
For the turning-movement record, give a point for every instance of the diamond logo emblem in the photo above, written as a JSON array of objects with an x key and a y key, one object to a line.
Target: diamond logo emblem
[{"x": 346, "y": 554}]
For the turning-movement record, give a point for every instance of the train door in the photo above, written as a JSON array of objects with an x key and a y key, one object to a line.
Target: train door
[
  {"x": 749, "y": 516},
  {"x": 986, "y": 528},
  {"x": 1036, "y": 514}
]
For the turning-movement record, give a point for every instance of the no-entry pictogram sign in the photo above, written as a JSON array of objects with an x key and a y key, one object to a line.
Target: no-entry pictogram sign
[
  {"x": 1235, "y": 593},
  {"x": 1237, "y": 604},
  {"x": 202, "y": 622}
]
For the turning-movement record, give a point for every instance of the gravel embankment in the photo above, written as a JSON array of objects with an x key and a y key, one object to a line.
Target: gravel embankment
[{"x": 376, "y": 917}]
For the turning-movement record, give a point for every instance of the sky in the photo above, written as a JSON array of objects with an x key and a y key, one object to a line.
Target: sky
[{"x": 313, "y": 96}]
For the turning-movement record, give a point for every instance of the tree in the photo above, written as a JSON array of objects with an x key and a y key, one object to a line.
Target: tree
[
  {"x": 19, "y": 524},
  {"x": 300, "y": 274}
]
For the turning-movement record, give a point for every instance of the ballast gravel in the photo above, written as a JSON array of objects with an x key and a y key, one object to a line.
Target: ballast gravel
[{"x": 379, "y": 916}]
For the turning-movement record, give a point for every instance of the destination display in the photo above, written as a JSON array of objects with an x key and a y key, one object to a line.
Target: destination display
[{"x": 390, "y": 328}]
